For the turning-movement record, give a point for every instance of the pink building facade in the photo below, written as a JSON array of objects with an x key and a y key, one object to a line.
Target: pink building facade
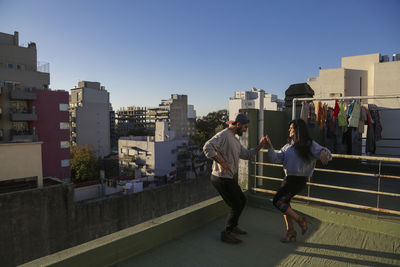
[{"x": 52, "y": 128}]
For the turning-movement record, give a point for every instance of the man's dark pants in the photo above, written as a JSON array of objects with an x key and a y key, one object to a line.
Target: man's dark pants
[{"x": 233, "y": 196}]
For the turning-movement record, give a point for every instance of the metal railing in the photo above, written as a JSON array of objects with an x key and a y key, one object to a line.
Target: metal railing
[{"x": 310, "y": 184}]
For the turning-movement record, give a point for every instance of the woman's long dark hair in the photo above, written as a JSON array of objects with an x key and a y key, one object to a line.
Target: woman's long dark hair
[{"x": 303, "y": 141}]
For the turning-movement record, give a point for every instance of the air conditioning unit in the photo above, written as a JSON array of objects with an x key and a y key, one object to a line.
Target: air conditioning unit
[{"x": 396, "y": 57}]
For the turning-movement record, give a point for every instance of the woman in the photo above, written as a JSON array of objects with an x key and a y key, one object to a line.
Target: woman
[{"x": 298, "y": 156}]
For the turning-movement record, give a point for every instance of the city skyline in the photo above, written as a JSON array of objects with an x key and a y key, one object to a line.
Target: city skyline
[{"x": 206, "y": 50}]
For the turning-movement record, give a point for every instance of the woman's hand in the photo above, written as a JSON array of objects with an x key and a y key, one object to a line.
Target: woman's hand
[
  {"x": 324, "y": 157},
  {"x": 267, "y": 141}
]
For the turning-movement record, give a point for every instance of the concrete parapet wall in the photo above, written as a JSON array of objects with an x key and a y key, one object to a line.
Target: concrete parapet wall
[
  {"x": 137, "y": 239},
  {"x": 40, "y": 222}
]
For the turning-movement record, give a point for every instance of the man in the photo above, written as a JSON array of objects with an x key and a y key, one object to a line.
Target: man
[{"x": 225, "y": 149}]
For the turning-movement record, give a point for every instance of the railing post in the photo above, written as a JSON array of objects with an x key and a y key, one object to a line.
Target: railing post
[
  {"x": 308, "y": 189},
  {"x": 255, "y": 173},
  {"x": 379, "y": 186}
]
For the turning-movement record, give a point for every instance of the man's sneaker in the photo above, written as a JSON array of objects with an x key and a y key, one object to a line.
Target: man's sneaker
[
  {"x": 228, "y": 237},
  {"x": 238, "y": 231}
]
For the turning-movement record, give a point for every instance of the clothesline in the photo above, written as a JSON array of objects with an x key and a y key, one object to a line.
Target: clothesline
[{"x": 338, "y": 98}]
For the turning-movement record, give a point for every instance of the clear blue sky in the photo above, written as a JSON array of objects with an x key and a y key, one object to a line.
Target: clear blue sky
[{"x": 144, "y": 51}]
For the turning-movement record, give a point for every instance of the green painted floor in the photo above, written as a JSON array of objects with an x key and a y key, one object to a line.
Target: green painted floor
[{"x": 326, "y": 244}]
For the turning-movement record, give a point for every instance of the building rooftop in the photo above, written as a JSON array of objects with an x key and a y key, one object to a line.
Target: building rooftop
[{"x": 190, "y": 237}]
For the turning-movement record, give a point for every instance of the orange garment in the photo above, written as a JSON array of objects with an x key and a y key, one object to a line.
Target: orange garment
[{"x": 321, "y": 114}]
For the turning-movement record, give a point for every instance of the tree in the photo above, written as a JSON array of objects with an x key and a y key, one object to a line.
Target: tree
[
  {"x": 209, "y": 125},
  {"x": 84, "y": 163},
  {"x": 141, "y": 132}
]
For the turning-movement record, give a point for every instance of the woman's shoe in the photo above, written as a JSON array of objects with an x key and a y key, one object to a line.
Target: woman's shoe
[
  {"x": 303, "y": 223},
  {"x": 290, "y": 235}
]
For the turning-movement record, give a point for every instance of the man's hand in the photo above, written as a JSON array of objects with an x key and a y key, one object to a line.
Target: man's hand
[
  {"x": 264, "y": 140},
  {"x": 324, "y": 157},
  {"x": 224, "y": 166},
  {"x": 268, "y": 141}
]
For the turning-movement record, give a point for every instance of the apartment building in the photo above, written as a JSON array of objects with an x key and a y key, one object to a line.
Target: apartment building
[
  {"x": 367, "y": 75},
  {"x": 191, "y": 128},
  {"x": 364, "y": 75},
  {"x": 52, "y": 128},
  {"x": 90, "y": 117},
  {"x": 129, "y": 118},
  {"x": 29, "y": 110},
  {"x": 19, "y": 79},
  {"x": 150, "y": 155},
  {"x": 113, "y": 130},
  {"x": 174, "y": 111},
  {"x": 160, "y": 155},
  {"x": 253, "y": 99}
]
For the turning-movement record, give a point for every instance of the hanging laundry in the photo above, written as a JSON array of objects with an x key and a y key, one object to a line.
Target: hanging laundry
[
  {"x": 324, "y": 113},
  {"x": 363, "y": 119},
  {"x": 376, "y": 118},
  {"x": 304, "y": 111},
  {"x": 336, "y": 110},
  {"x": 350, "y": 108},
  {"x": 331, "y": 120},
  {"x": 342, "y": 115},
  {"x": 321, "y": 114},
  {"x": 370, "y": 144},
  {"x": 311, "y": 115},
  {"x": 354, "y": 113},
  {"x": 369, "y": 120}
]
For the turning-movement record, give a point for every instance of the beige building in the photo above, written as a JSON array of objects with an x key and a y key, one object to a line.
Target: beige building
[
  {"x": 20, "y": 75},
  {"x": 90, "y": 117},
  {"x": 367, "y": 75},
  {"x": 21, "y": 161}
]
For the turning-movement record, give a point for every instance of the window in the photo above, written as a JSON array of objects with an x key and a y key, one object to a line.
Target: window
[
  {"x": 64, "y": 144},
  {"x": 63, "y": 107},
  {"x": 64, "y": 125},
  {"x": 65, "y": 163}
]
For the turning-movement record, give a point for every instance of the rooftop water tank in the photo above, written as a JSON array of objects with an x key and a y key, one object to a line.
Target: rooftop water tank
[{"x": 396, "y": 57}]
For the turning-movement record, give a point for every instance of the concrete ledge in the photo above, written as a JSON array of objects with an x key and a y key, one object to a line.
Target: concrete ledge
[
  {"x": 134, "y": 240},
  {"x": 363, "y": 221}
]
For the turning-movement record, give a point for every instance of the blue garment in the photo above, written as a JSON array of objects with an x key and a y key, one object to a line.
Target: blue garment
[{"x": 293, "y": 165}]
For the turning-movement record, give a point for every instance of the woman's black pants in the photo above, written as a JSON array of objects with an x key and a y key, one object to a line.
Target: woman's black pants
[{"x": 291, "y": 186}]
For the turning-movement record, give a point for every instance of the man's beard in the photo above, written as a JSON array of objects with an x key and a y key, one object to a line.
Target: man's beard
[{"x": 239, "y": 131}]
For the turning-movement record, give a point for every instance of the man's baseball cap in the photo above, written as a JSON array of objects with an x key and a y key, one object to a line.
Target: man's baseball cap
[{"x": 242, "y": 118}]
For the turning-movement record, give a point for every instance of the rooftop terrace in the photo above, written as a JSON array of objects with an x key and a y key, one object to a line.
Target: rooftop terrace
[{"x": 190, "y": 237}]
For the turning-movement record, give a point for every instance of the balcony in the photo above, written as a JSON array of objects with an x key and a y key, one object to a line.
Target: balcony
[
  {"x": 23, "y": 115},
  {"x": 22, "y": 136},
  {"x": 23, "y": 94}
]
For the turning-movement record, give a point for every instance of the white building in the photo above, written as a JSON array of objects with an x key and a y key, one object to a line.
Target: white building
[
  {"x": 252, "y": 99},
  {"x": 367, "y": 75},
  {"x": 150, "y": 155},
  {"x": 90, "y": 117}
]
